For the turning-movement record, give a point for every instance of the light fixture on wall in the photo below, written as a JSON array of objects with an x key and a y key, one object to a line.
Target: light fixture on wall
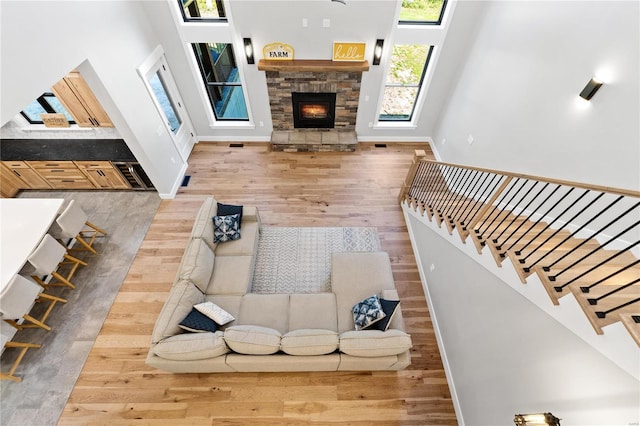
[
  {"x": 591, "y": 88},
  {"x": 248, "y": 50},
  {"x": 547, "y": 419},
  {"x": 377, "y": 51}
]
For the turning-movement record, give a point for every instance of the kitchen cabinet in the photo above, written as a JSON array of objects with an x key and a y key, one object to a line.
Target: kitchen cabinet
[
  {"x": 62, "y": 174},
  {"x": 9, "y": 183},
  {"x": 102, "y": 174},
  {"x": 30, "y": 178},
  {"x": 76, "y": 96}
]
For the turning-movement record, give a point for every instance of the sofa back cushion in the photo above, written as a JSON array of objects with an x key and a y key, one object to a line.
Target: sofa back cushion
[
  {"x": 265, "y": 310},
  {"x": 197, "y": 263},
  {"x": 252, "y": 339},
  {"x": 183, "y": 295},
  {"x": 192, "y": 346},
  {"x": 309, "y": 342},
  {"x": 316, "y": 310},
  {"x": 203, "y": 225}
]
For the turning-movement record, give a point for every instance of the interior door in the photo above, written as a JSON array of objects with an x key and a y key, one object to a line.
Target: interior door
[{"x": 166, "y": 97}]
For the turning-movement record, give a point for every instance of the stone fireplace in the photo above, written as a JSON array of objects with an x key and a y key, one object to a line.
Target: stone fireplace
[{"x": 320, "y": 81}]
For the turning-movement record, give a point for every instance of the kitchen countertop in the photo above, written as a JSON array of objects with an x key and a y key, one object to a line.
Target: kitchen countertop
[{"x": 65, "y": 150}]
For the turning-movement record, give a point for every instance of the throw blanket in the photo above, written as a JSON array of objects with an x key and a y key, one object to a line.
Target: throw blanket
[{"x": 298, "y": 260}]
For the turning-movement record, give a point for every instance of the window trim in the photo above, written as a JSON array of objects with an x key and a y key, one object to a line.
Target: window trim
[
  {"x": 419, "y": 85},
  {"x": 219, "y": 6},
  {"x": 438, "y": 22},
  {"x": 47, "y": 107}
]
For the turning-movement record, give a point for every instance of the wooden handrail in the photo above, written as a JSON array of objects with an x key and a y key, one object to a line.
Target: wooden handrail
[
  {"x": 610, "y": 189},
  {"x": 513, "y": 214}
]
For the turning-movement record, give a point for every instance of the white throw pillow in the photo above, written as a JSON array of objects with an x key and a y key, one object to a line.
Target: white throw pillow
[
  {"x": 215, "y": 312},
  {"x": 252, "y": 339},
  {"x": 309, "y": 342}
]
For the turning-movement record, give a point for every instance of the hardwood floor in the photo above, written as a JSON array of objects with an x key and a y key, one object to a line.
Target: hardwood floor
[{"x": 290, "y": 189}]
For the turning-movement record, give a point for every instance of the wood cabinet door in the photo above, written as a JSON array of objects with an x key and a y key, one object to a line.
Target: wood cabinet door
[
  {"x": 102, "y": 174},
  {"x": 10, "y": 184},
  {"x": 30, "y": 177},
  {"x": 76, "y": 96}
]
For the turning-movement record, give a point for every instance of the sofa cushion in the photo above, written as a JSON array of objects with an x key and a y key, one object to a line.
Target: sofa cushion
[
  {"x": 203, "y": 226},
  {"x": 229, "y": 209},
  {"x": 215, "y": 312},
  {"x": 265, "y": 310},
  {"x": 309, "y": 342},
  {"x": 197, "y": 322},
  {"x": 231, "y": 275},
  {"x": 373, "y": 343},
  {"x": 389, "y": 307},
  {"x": 367, "y": 312},
  {"x": 197, "y": 263},
  {"x": 183, "y": 295},
  {"x": 252, "y": 339},
  {"x": 245, "y": 246},
  {"x": 226, "y": 228},
  {"x": 355, "y": 276},
  {"x": 317, "y": 310},
  {"x": 192, "y": 346}
]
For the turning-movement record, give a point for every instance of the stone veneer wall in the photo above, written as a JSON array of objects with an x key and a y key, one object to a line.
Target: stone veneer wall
[{"x": 346, "y": 85}]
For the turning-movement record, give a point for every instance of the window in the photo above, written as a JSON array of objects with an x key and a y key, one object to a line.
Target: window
[
  {"x": 404, "y": 80},
  {"x": 422, "y": 11},
  {"x": 159, "y": 89},
  {"x": 202, "y": 10},
  {"x": 220, "y": 75},
  {"x": 45, "y": 104}
]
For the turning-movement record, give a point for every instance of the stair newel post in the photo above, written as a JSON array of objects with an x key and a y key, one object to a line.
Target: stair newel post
[{"x": 418, "y": 156}]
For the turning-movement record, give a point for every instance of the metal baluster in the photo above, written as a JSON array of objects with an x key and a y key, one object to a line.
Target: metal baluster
[
  {"x": 482, "y": 199},
  {"x": 472, "y": 199},
  {"x": 496, "y": 207},
  {"x": 604, "y": 314},
  {"x": 515, "y": 217},
  {"x": 435, "y": 186},
  {"x": 597, "y": 299},
  {"x": 611, "y": 275},
  {"x": 454, "y": 189},
  {"x": 579, "y": 229}
]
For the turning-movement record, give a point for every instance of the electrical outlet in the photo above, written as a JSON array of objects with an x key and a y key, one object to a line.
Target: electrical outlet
[
  {"x": 432, "y": 267},
  {"x": 444, "y": 141},
  {"x": 326, "y": 23},
  {"x": 366, "y": 98},
  {"x": 262, "y": 124},
  {"x": 470, "y": 139},
  {"x": 371, "y": 124},
  {"x": 305, "y": 22}
]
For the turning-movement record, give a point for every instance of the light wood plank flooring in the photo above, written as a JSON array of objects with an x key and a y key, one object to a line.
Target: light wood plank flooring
[{"x": 290, "y": 189}]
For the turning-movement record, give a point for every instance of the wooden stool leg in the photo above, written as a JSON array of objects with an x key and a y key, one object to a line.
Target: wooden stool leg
[
  {"x": 25, "y": 347},
  {"x": 100, "y": 230}
]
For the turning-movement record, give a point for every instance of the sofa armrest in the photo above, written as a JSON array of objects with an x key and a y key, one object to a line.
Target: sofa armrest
[{"x": 250, "y": 214}]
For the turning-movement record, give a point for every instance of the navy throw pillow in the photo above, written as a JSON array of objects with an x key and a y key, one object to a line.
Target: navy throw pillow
[
  {"x": 228, "y": 210},
  {"x": 198, "y": 322}
]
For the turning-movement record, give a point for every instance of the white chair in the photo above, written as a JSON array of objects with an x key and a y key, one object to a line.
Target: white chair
[
  {"x": 17, "y": 299},
  {"x": 71, "y": 223},
  {"x": 6, "y": 335},
  {"x": 47, "y": 258}
]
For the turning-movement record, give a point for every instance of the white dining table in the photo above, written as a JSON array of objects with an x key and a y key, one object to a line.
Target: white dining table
[{"x": 23, "y": 223}]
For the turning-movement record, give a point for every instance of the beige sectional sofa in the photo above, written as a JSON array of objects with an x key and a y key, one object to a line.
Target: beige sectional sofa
[{"x": 273, "y": 332}]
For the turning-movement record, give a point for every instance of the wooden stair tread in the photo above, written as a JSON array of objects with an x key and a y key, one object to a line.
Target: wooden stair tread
[{"x": 632, "y": 323}]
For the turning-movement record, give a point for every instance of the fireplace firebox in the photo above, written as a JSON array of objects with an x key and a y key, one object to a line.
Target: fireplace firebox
[{"x": 313, "y": 110}]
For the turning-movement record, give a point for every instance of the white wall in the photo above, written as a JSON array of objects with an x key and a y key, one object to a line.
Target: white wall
[
  {"x": 516, "y": 90},
  {"x": 506, "y": 356},
  {"x": 107, "y": 40}
]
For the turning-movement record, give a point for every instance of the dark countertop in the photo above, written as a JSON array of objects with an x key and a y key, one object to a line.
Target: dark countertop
[{"x": 65, "y": 149}]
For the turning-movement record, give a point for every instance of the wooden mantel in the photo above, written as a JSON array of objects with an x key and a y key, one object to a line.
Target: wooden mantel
[{"x": 312, "y": 65}]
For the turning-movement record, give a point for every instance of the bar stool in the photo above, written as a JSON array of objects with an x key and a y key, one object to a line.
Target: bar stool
[
  {"x": 71, "y": 223},
  {"x": 17, "y": 299},
  {"x": 47, "y": 258},
  {"x": 6, "y": 334}
]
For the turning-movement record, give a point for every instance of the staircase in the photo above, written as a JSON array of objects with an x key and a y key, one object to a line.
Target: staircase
[{"x": 576, "y": 239}]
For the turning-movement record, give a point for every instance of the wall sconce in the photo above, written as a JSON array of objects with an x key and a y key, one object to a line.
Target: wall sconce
[
  {"x": 590, "y": 89},
  {"x": 536, "y": 419},
  {"x": 377, "y": 51},
  {"x": 248, "y": 50}
]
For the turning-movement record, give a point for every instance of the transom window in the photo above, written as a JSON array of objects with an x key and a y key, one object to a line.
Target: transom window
[
  {"x": 45, "y": 104},
  {"x": 422, "y": 11},
  {"x": 404, "y": 80},
  {"x": 202, "y": 10},
  {"x": 221, "y": 78}
]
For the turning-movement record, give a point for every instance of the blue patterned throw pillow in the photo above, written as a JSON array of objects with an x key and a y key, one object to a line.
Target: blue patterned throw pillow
[
  {"x": 226, "y": 228},
  {"x": 367, "y": 312},
  {"x": 198, "y": 322}
]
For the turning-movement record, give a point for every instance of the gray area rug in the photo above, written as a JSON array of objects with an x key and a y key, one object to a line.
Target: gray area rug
[{"x": 298, "y": 260}]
